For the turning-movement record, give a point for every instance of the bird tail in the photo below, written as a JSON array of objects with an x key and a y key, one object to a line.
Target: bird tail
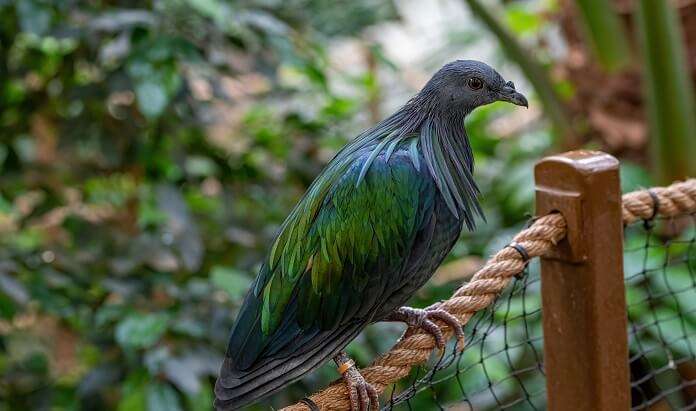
[
  {"x": 257, "y": 365},
  {"x": 236, "y": 388}
]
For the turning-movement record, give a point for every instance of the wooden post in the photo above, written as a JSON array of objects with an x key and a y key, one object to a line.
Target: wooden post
[{"x": 583, "y": 296}]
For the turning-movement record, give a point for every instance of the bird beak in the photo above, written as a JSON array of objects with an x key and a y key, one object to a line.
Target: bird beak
[{"x": 509, "y": 94}]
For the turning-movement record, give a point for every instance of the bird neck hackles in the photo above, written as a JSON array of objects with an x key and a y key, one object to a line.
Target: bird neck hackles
[{"x": 435, "y": 134}]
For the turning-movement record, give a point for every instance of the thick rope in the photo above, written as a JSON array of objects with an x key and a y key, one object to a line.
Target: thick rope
[
  {"x": 677, "y": 199},
  {"x": 489, "y": 281}
]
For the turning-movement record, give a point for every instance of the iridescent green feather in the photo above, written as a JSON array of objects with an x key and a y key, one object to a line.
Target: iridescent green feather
[{"x": 362, "y": 226}]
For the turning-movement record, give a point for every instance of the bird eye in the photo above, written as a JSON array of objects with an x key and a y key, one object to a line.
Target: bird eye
[{"x": 475, "y": 83}]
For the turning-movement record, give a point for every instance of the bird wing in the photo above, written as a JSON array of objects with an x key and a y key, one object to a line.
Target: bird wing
[{"x": 332, "y": 265}]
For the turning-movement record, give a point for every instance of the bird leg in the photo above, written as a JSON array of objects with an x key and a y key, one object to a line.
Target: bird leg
[
  {"x": 363, "y": 396},
  {"x": 422, "y": 318}
]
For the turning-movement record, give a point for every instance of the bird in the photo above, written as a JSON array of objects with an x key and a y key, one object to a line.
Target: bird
[{"x": 369, "y": 232}]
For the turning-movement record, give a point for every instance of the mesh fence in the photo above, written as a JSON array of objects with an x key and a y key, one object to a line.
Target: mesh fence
[
  {"x": 660, "y": 266},
  {"x": 501, "y": 367}
]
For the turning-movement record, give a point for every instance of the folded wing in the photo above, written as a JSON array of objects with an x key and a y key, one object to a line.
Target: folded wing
[{"x": 338, "y": 255}]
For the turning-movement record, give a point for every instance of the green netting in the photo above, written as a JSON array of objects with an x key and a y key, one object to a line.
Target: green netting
[{"x": 660, "y": 266}]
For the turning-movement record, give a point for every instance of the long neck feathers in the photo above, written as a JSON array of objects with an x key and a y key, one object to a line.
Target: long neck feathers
[{"x": 438, "y": 137}]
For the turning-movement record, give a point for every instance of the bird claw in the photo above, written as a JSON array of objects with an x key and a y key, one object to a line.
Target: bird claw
[
  {"x": 423, "y": 318},
  {"x": 362, "y": 395}
]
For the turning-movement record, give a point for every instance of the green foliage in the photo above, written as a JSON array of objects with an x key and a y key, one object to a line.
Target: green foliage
[
  {"x": 141, "y": 331},
  {"x": 533, "y": 70},
  {"x": 671, "y": 101},
  {"x": 147, "y": 158},
  {"x": 231, "y": 280},
  {"x": 133, "y": 214},
  {"x": 605, "y": 33}
]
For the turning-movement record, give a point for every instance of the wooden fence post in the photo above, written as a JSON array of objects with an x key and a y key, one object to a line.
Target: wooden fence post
[{"x": 583, "y": 296}]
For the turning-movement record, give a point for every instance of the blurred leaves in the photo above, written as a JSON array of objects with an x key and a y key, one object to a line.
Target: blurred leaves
[
  {"x": 141, "y": 330},
  {"x": 605, "y": 33},
  {"x": 671, "y": 100},
  {"x": 232, "y": 281},
  {"x": 162, "y": 397},
  {"x": 148, "y": 153},
  {"x": 532, "y": 69}
]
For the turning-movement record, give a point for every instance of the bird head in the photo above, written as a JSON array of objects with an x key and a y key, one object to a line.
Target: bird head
[{"x": 467, "y": 84}]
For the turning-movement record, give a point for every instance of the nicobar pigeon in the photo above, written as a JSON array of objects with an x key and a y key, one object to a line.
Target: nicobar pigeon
[{"x": 369, "y": 232}]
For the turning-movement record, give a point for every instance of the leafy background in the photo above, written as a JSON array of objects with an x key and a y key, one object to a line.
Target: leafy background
[{"x": 150, "y": 150}]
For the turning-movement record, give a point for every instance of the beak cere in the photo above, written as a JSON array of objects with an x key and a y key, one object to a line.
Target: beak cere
[{"x": 509, "y": 94}]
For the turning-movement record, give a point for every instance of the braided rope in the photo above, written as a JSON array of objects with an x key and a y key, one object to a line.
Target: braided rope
[
  {"x": 679, "y": 198},
  {"x": 489, "y": 281}
]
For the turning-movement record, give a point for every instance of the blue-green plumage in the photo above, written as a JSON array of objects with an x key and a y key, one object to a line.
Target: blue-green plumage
[{"x": 368, "y": 233}]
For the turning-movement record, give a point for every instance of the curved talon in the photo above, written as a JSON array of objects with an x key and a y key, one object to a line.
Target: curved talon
[
  {"x": 362, "y": 395},
  {"x": 417, "y": 318}
]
